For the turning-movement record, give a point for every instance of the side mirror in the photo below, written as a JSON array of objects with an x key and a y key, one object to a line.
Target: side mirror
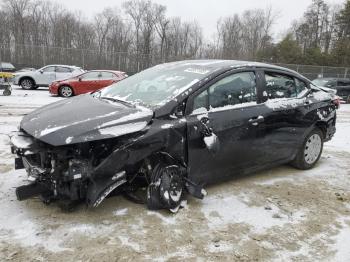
[
  {"x": 41, "y": 71},
  {"x": 80, "y": 79},
  {"x": 179, "y": 111}
]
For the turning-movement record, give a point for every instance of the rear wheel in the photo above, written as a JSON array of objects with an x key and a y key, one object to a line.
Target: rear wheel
[
  {"x": 310, "y": 152},
  {"x": 27, "y": 84},
  {"x": 65, "y": 91}
]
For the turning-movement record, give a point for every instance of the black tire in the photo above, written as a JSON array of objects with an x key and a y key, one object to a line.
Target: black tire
[
  {"x": 7, "y": 92},
  {"x": 27, "y": 84},
  {"x": 166, "y": 189},
  {"x": 65, "y": 91},
  {"x": 310, "y": 152}
]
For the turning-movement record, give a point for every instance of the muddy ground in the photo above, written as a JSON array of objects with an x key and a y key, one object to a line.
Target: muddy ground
[{"x": 281, "y": 214}]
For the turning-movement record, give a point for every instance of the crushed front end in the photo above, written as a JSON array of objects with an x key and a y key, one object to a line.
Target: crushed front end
[{"x": 61, "y": 173}]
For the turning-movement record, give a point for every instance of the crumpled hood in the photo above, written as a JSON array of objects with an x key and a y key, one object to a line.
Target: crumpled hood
[{"x": 84, "y": 118}]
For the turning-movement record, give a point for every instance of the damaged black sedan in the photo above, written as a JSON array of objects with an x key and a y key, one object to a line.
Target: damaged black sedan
[{"x": 170, "y": 130}]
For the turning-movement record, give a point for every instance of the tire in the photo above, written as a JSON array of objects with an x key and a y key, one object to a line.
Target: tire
[
  {"x": 310, "y": 152},
  {"x": 65, "y": 91},
  {"x": 27, "y": 84},
  {"x": 7, "y": 92},
  {"x": 166, "y": 189}
]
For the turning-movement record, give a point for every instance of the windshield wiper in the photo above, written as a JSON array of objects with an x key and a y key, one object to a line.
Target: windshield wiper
[{"x": 117, "y": 101}]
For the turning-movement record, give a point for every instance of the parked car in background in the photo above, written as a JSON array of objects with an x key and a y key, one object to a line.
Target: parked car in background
[
  {"x": 172, "y": 129},
  {"x": 26, "y": 69},
  {"x": 86, "y": 82},
  {"x": 7, "y": 67},
  {"x": 342, "y": 85},
  {"x": 45, "y": 76}
]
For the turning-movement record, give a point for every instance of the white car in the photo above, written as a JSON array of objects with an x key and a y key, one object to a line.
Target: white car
[{"x": 45, "y": 76}]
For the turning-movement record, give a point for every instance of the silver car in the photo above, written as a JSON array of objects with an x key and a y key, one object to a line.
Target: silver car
[{"x": 45, "y": 76}]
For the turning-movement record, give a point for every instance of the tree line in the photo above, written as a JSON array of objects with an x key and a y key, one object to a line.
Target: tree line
[{"x": 139, "y": 33}]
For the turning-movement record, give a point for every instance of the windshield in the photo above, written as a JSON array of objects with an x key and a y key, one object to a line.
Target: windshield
[{"x": 157, "y": 85}]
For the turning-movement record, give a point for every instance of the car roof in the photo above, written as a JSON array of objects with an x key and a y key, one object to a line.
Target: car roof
[
  {"x": 227, "y": 64},
  {"x": 110, "y": 71},
  {"x": 70, "y": 66}
]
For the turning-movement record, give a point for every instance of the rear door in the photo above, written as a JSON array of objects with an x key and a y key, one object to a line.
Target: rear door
[
  {"x": 287, "y": 115},
  {"x": 107, "y": 78},
  {"x": 63, "y": 72},
  {"x": 229, "y": 108}
]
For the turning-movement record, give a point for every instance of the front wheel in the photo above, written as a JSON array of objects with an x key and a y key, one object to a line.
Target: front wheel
[
  {"x": 166, "y": 189},
  {"x": 27, "y": 84},
  {"x": 310, "y": 152},
  {"x": 65, "y": 91}
]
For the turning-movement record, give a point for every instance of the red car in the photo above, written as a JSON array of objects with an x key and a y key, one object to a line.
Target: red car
[{"x": 87, "y": 82}]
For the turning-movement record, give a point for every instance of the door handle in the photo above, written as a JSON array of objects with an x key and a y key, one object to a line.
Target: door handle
[{"x": 256, "y": 120}]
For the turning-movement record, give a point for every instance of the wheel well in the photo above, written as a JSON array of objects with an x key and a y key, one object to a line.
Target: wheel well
[
  {"x": 26, "y": 77},
  {"x": 323, "y": 127}
]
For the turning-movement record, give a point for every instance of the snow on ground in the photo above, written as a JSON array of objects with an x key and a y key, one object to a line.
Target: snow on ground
[{"x": 281, "y": 214}]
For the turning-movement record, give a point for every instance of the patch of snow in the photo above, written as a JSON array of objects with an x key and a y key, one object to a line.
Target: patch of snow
[
  {"x": 21, "y": 141},
  {"x": 133, "y": 116},
  {"x": 50, "y": 130},
  {"x": 121, "y": 212},
  {"x": 167, "y": 220},
  {"x": 229, "y": 107},
  {"x": 321, "y": 96},
  {"x": 232, "y": 209},
  {"x": 220, "y": 247},
  {"x": 69, "y": 140},
  {"x": 167, "y": 126},
  {"x": 201, "y": 110},
  {"x": 123, "y": 129},
  {"x": 342, "y": 241},
  {"x": 126, "y": 242},
  {"x": 278, "y": 103},
  {"x": 210, "y": 141},
  {"x": 340, "y": 141}
]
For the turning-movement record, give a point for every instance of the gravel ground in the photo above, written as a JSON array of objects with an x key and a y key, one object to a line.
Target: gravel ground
[{"x": 281, "y": 214}]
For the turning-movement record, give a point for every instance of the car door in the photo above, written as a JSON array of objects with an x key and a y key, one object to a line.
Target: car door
[
  {"x": 229, "y": 109},
  {"x": 107, "y": 78},
  {"x": 88, "y": 82},
  {"x": 45, "y": 76},
  {"x": 63, "y": 72},
  {"x": 287, "y": 114}
]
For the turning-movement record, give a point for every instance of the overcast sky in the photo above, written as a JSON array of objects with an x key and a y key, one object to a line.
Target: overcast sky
[{"x": 207, "y": 12}]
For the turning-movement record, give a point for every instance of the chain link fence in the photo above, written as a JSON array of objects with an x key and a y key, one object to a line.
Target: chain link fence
[{"x": 37, "y": 56}]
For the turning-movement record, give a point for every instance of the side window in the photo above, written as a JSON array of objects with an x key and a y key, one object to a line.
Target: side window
[
  {"x": 235, "y": 89},
  {"x": 280, "y": 86},
  {"x": 108, "y": 75},
  {"x": 200, "y": 102},
  {"x": 301, "y": 87},
  {"x": 343, "y": 83},
  {"x": 49, "y": 69},
  {"x": 61, "y": 69},
  {"x": 91, "y": 76}
]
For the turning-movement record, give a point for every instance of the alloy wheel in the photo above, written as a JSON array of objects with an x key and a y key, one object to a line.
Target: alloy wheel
[{"x": 312, "y": 149}]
